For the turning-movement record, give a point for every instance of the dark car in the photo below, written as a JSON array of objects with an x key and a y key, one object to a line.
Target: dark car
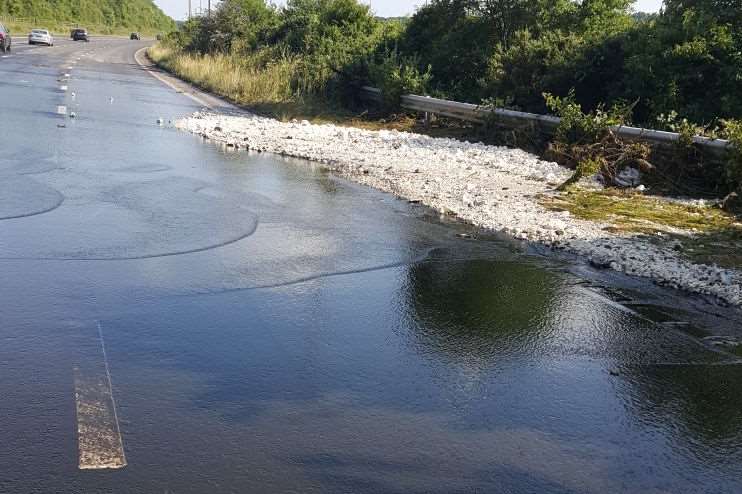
[
  {"x": 80, "y": 35},
  {"x": 134, "y": 36},
  {"x": 5, "y": 39}
]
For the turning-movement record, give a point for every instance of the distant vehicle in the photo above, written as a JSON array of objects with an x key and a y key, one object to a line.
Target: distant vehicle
[
  {"x": 158, "y": 37},
  {"x": 134, "y": 36},
  {"x": 5, "y": 39},
  {"x": 40, "y": 37},
  {"x": 79, "y": 35}
]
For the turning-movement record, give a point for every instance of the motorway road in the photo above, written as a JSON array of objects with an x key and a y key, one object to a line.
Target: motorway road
[{"x": 178, "y": 317}]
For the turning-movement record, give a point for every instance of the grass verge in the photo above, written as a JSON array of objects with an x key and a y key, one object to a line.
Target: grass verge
[
  {"x": 269, "y": 88},
  {"x": 251, "y": 81}
]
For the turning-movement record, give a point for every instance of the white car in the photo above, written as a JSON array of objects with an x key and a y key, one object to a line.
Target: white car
[{"x": 40, "y": 37}]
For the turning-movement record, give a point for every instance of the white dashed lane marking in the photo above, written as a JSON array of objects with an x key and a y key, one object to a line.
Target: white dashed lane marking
[{"x": 100, "y": 445}]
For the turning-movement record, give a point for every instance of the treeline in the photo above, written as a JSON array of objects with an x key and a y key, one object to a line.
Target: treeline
[
  {"x": 683, "y": 63},
  {"x": 134, "y": 14}
]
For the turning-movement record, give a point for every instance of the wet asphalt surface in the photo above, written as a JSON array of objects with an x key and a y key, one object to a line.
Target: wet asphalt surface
[{"x": 271, "y": 328}]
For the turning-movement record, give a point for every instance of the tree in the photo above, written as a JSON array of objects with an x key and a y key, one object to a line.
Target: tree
[
  {"x": 241, "y": 24},
  {"x": 307, "y": 25}
]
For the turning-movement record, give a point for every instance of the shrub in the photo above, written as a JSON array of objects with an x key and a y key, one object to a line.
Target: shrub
[
  {"x": 395, "y": 76},
  {"x": 311, "y": 26},
  {"x": 577, "y": 127},
  {"x": 586, "y": 142},
  {"x": 456, "y": 45},
  {"x": 532, "y": 65}
]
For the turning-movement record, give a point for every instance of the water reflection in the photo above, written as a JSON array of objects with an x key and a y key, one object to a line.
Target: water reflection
[
  {"x": 698, "y": 406},
  {"x": 478, "y": 310},
  {"x": 668, "y": 394}
]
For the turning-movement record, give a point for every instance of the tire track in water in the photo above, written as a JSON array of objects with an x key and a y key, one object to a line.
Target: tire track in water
[
  {"x": 195, "y": 250},
  {"x": 422, "y": 258},
  {"x": 53, "y": 199},
  {"x": 35, "y": 213}
]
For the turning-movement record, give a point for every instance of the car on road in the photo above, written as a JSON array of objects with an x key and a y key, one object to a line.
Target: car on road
[
  {"x": 135, "y": 36},
  {"x": 5, "y": 39},
  {"x": 79, "y": 35},
  {"x": 40, "y": 37}
]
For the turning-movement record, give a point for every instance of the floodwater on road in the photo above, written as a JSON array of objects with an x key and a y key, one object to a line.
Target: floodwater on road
[{"x": 250, "y": 323}]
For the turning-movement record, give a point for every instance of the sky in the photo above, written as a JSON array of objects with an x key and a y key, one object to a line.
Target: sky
[{"x": 178, "y": 9}]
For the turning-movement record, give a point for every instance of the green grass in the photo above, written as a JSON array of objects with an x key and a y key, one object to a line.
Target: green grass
[
  {"x": 263, "y": 84},
  {"x": 250, "y": 81},
  {"x": 702, "y": 234},
  {"x": 269, "y": 89},
  {"x": 631, "y": 211},
  {"x": 253, "y": 81}
]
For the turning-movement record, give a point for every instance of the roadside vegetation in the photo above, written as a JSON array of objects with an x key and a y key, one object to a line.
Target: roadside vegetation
[
  {"x": 595, "y": 63},
  {"x": 698, "y": 231},
  {"x": 304, "y": 60},
  {"x": 98, "y": 16}
]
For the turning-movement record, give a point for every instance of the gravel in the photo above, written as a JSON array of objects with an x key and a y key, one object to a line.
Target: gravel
[{"x": 492, "y": 187}]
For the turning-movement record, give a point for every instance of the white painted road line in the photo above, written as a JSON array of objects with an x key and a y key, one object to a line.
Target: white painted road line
[
  {"x": 62, "y": 110},
  {"x": 100, "y": 445},
  {"x": 63, "y": 88}
]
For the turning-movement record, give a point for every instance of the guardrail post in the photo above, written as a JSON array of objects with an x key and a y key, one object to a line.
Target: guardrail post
[{"x": 428, "y": 117}]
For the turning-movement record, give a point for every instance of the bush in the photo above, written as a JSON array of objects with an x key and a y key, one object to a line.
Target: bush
[
  {"x": 239, "y": 25},
  {"x": 396, "y": 76},
  {"x": 687, "y": 63},
  {"x": 311, "y": 26},
  {"x": 456, "y": 45},
  {"x": 577, "y": 127},
  {"x": 586, "y": 142},
  {"x": 531, "y": 66}
]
